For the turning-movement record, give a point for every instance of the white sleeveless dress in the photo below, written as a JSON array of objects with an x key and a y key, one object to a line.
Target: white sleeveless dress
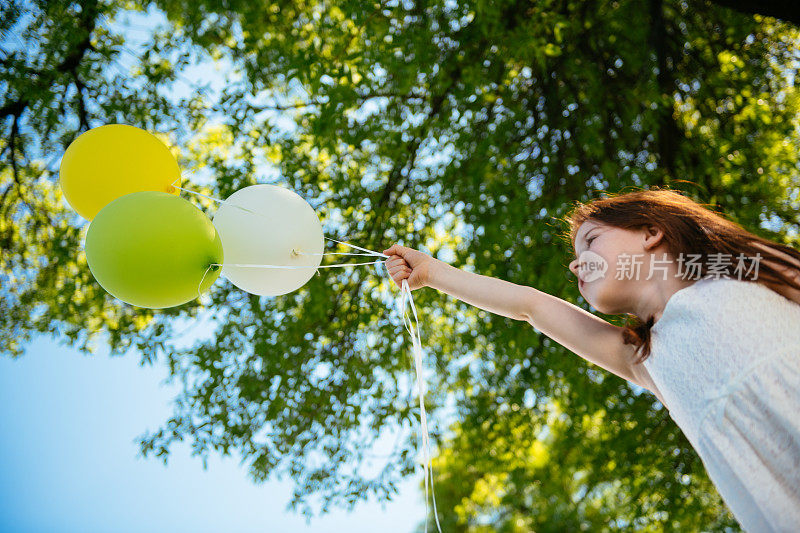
[{"x": 725, "y": 356}]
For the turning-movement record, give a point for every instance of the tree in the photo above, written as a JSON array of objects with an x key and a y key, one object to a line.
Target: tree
[
  {"x": 465, "y": 127},
  {"x": 781, "y": 9}
]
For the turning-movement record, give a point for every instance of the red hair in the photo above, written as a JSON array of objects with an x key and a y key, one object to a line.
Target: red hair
[{"x": 689, "y": 228}]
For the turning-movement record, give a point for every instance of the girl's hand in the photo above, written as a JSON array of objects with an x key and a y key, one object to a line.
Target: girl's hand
[{"x": 410, "y": 264}]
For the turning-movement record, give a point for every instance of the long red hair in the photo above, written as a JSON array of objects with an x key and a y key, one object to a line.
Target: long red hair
[{"x": 689, "y": 228}]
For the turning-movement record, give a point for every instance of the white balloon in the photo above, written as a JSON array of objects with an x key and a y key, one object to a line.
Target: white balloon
[{"x": 274, "y": 224}]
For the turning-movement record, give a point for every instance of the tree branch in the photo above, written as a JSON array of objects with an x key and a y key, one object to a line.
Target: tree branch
[{"x": 68, "y": 65}]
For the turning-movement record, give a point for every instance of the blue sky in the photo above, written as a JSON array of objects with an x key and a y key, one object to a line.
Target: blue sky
[{"x": 68, "y": 459}]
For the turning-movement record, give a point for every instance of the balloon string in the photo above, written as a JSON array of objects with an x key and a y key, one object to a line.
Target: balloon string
[
  {"x": 213, "y": 265},
  {"x": 295, "y": 266},
  {"x": 333, "y": 253},
  {"x": 211, "y": 198},
  {"x": 416, "y": 342},
  {"x": 203, "y": 279}
]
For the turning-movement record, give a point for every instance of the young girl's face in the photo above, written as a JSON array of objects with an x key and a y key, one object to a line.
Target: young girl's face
[{"x": 603, "y": 254}]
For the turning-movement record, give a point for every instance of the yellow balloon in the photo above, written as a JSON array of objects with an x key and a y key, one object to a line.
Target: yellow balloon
[{"x": 110, "y": 161}]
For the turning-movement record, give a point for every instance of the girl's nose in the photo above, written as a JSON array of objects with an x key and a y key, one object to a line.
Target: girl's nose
[{"x": 573, "y": 266}]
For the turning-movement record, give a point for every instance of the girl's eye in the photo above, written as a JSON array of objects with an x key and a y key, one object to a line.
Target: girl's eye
[{"x": 589, "y": 242}]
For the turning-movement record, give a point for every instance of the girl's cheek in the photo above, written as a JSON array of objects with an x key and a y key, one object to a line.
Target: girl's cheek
[{"x": 608, "y": 265}]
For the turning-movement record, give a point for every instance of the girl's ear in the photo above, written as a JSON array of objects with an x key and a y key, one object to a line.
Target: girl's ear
[{"x": 653, "y": 235}]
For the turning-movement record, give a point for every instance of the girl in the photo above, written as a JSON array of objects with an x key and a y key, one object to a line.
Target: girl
[{"x": 717, "y": 341}]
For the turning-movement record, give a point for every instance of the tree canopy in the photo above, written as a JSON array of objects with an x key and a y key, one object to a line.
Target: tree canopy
[{"x": 465, "y": 128}]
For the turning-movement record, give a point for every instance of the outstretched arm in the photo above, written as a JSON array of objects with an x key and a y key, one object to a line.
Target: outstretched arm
[
  {"x": 491, "y": 294},
  {"x": 587, "y": 335},
  {"x": 578, "y": 330}
]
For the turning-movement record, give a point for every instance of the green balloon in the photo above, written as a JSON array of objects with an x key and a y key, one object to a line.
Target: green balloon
[{"x": 153, "y": 249}]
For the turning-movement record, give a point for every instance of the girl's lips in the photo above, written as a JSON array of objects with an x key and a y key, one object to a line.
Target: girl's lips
[{"x": 581, "y": 283}]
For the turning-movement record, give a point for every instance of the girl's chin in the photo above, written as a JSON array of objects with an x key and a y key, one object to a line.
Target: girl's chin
[{"x": 594, "y": 296}]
